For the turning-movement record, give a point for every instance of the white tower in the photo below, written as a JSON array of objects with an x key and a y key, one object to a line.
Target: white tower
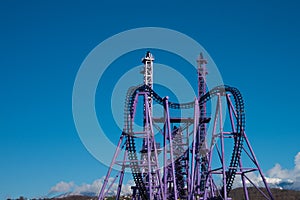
[{"x": 148, "y": 73}]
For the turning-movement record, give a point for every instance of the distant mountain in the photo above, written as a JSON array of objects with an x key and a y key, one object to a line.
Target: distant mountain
[
  {"x": 76, "y": 197},
  {"x": 254, "y": 194},
  {"x": 235, "y": 194},
  {"x": 287, "y": 184}
]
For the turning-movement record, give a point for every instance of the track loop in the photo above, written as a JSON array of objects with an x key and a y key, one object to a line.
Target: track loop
[{"x": 128, "y": 128}]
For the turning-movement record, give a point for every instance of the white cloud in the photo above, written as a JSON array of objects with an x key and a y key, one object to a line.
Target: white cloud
[
  {"x": 278, "y": 172},
  {"x": 62, "y": 187},
  {"x": 292, "y": 174},
  {"x": 276, "y": 177},
  {"x": 289, "y": 178},
  {"x": 297, "y": 163},
  {"x": 88, "y": 188}
]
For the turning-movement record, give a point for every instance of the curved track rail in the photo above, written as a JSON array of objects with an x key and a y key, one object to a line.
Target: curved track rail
[{"x": 238, "y": 135}]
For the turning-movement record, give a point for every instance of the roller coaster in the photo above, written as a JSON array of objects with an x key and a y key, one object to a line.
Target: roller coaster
[{"x": 184, "y": 157}]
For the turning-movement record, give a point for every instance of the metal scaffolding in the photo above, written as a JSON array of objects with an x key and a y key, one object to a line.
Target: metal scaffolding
[{"x": 180, "y": 157}]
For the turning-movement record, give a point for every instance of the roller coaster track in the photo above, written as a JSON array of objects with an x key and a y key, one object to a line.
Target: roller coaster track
[
  {"x": 132, "y": 155},
  {"x": 128, "y": 129}
]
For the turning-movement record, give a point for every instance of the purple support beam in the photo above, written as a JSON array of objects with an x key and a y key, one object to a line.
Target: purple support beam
[
  {"x": 149, "y": 149},
  {"x": 192, "y": 175},
  {"x": 258, "y": 167},
  {"x": 165, "y": 151},
  {"x": 112, "y": 183},
  {"x": 209, "y": 183},
  {"x": 223, "y": 148},
  {"x": 170, "y": 137},
  {"x": 121, "y": 176},
  {"x": 101, "y": 196},
  {"x": 159, "y": 181}
]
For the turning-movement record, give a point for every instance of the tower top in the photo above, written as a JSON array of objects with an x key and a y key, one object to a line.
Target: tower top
[
  {"x": 148, "y": 57},
  {"x": 201, "y": 60}
]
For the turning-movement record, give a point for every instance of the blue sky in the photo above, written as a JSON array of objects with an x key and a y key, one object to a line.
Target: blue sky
[{"x": 255, "y": 45}]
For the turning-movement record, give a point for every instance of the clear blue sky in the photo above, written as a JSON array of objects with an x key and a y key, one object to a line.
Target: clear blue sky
[{"x": 255, "y": 45}]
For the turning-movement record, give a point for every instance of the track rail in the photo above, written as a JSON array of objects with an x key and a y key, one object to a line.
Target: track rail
[{"x": 128, "y": 129}]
